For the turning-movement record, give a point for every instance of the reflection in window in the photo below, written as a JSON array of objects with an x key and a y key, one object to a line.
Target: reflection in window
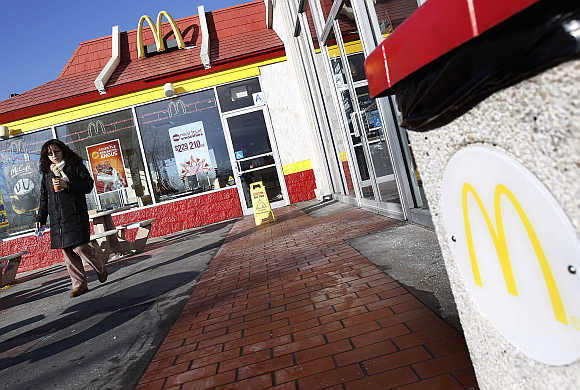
[
  {"x": 110, "y": 147},
  {"x": 20, "y": 181},
  {"x": 392, "y": 13},
  {"x": 185, "y": 146}
]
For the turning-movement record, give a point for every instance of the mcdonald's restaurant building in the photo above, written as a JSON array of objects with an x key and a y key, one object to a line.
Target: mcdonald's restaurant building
[{"x": 177, "y": 117}]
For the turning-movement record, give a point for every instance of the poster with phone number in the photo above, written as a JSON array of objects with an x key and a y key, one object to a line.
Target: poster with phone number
[
  {"x": 107, "y": 167},
  {"x": 190, "y": 149}
]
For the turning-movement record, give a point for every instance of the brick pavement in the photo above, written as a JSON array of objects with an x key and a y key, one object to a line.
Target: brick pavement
[{"x": 291, "y": 306}]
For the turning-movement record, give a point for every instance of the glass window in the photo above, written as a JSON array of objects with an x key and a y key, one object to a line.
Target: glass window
[
  {"x": 185, "y": 145},
  {"x": 110, "y": 147},
  {"x": 238, "y": 95},
  {"x": 392, "y": 13},
  {"x": 356, "y": 63},
  {"x": 311, "y": 27},
  {"x": 326, "y": 6},
  {"x": 20, "y": 181}
]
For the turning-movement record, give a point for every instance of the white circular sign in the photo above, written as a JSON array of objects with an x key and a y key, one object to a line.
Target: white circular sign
[{"x": 517, "y": 251}]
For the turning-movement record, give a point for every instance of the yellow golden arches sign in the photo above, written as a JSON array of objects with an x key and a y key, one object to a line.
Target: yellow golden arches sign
[
  {"x": 513, "y": 252},
  {"x": 500, "y": 243},
  {"x": 157, "y": 31}
]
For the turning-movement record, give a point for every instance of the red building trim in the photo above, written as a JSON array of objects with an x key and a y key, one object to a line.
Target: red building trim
[
  {"x": 301, "y": 186},
  {"x": 170, "y": 218}
]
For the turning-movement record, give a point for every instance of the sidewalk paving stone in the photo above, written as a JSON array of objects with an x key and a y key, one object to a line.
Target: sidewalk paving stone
[{"x": 291, "y": 306}]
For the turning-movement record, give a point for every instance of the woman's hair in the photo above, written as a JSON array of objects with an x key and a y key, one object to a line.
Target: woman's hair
[{"x": 67, "y": 154}]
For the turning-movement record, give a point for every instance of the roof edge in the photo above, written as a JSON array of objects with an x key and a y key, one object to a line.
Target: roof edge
[{"x": 138, "y": 85}]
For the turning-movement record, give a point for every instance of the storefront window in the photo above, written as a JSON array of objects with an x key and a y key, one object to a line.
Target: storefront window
[
  {"x": 185, "y": 145},
  {"x": 110, "y": 147},
  {"x": 20, "y": 181},
  {"x": 238, "y": 95}
]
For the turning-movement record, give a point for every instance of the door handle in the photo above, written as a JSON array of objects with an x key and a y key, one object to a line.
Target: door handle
[{"x": 355, "y": 124}]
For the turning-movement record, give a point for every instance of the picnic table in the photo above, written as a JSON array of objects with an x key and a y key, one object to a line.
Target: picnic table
[
  {"x": 9, "y": 266},
  {"x": 111, "y": 238},
  {"x": 105, "y": 228}
]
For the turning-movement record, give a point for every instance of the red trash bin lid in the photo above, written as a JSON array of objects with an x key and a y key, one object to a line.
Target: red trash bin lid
[{"x": 434, "y": 29}]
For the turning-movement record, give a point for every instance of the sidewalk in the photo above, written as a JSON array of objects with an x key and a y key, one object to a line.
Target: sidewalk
[{"x": 290, "y": 305}]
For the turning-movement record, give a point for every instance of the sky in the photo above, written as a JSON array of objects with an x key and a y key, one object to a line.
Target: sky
[{"x": 38, "y": 38}]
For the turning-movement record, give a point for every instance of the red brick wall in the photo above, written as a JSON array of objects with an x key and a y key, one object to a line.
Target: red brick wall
[
  {"x": 301, "y": 186},
  {"x": 171, "y": 217}
]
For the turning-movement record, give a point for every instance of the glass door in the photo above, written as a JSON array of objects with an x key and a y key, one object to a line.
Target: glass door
[
  {"x": 366, "y": 136},
  {"x": 253, "y": 156},
  {"x": 378, "y": 149}
]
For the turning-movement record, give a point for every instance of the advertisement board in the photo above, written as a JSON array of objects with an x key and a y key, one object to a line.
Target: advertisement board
[
  {"x": 107, "y": 167},
  {"x": 190, "y": 149},
  {"x": 3, "y": 215}
]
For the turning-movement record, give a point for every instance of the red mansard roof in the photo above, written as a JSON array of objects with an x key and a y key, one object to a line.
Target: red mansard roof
[{"x": 238, "y": 35}]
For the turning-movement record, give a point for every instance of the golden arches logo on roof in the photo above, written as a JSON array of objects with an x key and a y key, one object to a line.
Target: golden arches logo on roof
[{"x": 157, "y": 33}]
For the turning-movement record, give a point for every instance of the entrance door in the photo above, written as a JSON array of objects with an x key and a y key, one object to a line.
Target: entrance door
[
  {"x": 366, "y": 119},
  {"x": 253, "y": 156}
]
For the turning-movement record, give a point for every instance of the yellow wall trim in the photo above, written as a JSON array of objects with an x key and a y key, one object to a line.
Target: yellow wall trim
[
  {"x": 350, "y": 47},
  {"x": 300, "y": 166},
  {"x": 144, "y": 96}
]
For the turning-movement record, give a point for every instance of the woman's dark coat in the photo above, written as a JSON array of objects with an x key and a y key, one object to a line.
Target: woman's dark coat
[{"x": 69, "y": 218}]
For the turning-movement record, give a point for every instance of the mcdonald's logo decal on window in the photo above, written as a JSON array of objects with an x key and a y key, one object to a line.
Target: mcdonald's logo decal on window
[
  {"x": 96, "y": 128},
  {"x": 516, "y": 251},
  {"x": 157, "y": 31},
  {"x": 176, "y": 108}
]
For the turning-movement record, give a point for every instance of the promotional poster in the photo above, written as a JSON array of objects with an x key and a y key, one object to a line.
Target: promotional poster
[
  {"x": 107, "y": 167},
  {"x": 21, "y": 177},
  {"x": 3, "y": 215},
  {"x": 190, "y": 149}
]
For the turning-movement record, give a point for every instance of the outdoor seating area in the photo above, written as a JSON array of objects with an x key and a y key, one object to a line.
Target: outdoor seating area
[
  {"x": 111, "y": 239},
  {"x": 9, "y": 266},
  {"x": 143, "y": 230}
]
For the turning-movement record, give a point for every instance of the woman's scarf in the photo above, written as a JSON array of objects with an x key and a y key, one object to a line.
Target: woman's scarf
[{"x": 57, "y": 169}]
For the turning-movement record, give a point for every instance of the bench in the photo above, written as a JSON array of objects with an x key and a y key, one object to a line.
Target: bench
[
  {"x": 11, "y": 262},
  {"x": 143, "y": 230},
  {"x": 100, "y": 242}
]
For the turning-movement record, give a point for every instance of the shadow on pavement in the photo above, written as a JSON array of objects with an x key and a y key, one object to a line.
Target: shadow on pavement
[
  {"x": 317, "y": 206},
  {"x": 22, "y": 323},
  {"x": 47, "y": 289},
  {"x": 184, "y": 236},
  {"x": 40, "y": 273},
  {"x": 120, "y": 306}
]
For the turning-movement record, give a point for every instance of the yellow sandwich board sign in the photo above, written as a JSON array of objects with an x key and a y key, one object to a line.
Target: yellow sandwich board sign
[{"x": 262, "y": 210}]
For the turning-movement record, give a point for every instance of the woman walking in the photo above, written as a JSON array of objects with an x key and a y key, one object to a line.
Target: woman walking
[{"x": 65, "y": 182}]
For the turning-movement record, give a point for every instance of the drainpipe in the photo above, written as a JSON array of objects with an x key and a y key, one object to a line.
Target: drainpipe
[
  {"x": 204, "y": 38},
  {"x": 110, "y": 67}
]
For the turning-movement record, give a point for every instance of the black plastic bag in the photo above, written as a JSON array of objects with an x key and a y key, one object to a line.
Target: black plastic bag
[{"x": 540, "y": 37}]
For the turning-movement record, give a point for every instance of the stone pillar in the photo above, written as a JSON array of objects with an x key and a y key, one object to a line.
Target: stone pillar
[{"x": 535, "y": 124}]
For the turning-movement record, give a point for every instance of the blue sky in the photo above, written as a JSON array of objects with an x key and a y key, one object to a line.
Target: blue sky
[{"x": 38, "y": 38}]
